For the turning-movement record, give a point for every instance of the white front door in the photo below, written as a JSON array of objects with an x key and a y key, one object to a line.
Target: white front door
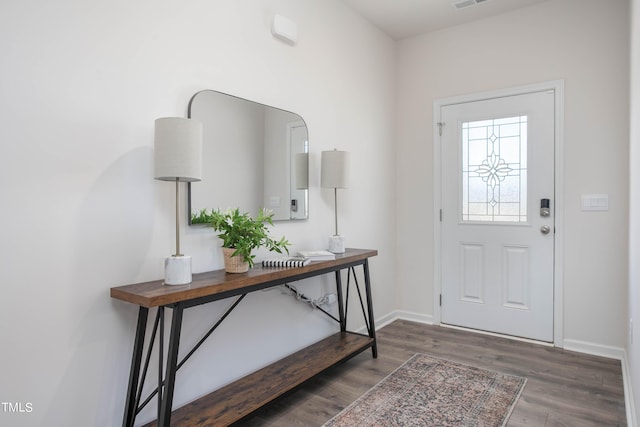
[{"x": 497, "y": 238}]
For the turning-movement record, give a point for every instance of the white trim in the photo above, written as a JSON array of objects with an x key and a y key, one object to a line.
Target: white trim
[
  {"x": 611, "y": 353},
  {"x": 558, "y": 301},
  {"x": 629, "y": 402},
  {"x": 414, "y": 317},
  {"x": 437, "y": 207},
  {"x": 558, "y": 87},
  {"x": 399, "y": 315},
  {"x": 383, "y": 321},
  {"x": 594, "y": 349}
]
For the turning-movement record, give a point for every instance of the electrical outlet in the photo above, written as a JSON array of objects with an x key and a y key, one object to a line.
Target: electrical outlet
[{"x": 331, "y": 298}]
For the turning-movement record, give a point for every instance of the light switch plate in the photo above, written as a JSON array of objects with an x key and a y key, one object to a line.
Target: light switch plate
[
  {"x": 595, "y": 202},
  {"x": 274, "y": 202}
]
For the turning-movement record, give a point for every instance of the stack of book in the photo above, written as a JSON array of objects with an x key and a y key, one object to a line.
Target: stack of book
[
  {"x": 303, "y": 258},
  {"x": 286, "y": 262},
  {"x": 320, "y": 255}
]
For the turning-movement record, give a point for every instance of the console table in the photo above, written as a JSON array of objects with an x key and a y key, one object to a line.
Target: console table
[{"x": 236, "y": 401}]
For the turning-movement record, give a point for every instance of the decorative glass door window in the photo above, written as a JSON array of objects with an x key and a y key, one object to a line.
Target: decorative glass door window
[{"x": 494, "y": 170}]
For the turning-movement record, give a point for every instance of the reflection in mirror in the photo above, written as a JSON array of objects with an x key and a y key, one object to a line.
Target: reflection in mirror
[{"x": 253, "y": 156}]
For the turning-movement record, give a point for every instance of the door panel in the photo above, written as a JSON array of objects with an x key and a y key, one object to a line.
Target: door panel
[
  {"x": 497, "y": 165},
  {"x": 516, "y": 276},
  {"x": 472, "y": 283}
]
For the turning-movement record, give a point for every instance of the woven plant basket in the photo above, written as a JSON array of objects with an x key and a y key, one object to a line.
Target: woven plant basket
[{"x": 234, "y": 264}]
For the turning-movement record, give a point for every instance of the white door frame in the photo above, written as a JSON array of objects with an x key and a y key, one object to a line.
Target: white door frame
[{"x": 558, "y": 87}]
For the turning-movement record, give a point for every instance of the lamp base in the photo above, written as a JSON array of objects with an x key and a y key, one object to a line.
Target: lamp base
[
  {"x": 177, "y": 270},
  {"x": 336, "y": 244}
]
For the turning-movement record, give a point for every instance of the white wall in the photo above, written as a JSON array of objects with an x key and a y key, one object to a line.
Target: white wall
[
  {"x": 81, "y": 84},
  {"x": 633, "y": 343},
  {"x": 587, "y": 46}
]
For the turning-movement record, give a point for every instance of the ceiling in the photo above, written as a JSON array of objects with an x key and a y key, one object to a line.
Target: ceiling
[{"x": 405, "y": 18}]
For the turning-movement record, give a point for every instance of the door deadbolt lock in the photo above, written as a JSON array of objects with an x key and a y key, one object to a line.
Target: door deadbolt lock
[
  {"x": 545, "y": 229},
  {"x": 544, "y": 208}
]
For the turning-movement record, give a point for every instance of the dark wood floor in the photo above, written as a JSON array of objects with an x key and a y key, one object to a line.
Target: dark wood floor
[{"x": 564, "y": 388}]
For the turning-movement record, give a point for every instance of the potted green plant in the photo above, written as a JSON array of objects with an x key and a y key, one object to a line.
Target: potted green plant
[{"x": 241, "y": 234}]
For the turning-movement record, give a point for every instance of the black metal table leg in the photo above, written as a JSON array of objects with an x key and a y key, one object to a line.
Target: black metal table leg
[
  {"x": 134, "y": 374},
  {"x": 160, "y": 355},
  {"x": 343, "y": 320},
  {"x": 172, "y": 363},
  {"x": 372, "y": 327}
]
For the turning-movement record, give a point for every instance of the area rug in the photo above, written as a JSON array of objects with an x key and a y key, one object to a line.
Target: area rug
[{"x": 426, "y": 391}]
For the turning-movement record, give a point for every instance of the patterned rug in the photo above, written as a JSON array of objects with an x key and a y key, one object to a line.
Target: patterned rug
[{"x": 426, "y": 391}]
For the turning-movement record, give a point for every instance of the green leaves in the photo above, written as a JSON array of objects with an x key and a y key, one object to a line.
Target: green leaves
[{"x": 241, "y": 232}]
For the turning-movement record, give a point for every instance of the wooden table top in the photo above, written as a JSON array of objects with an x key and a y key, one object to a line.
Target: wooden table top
[{"x": 218, "y": 282}]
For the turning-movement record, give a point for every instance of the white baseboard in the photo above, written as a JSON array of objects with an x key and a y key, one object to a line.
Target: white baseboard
[
  {"x": 386, "y": 319},
  {"x": 612, "y": 353},
  {"x": 383, "y": 321},
  {"x": 629, "y": 401},
  {"x": 594, "y": 349},
  {"x": 414, "y": 317}
]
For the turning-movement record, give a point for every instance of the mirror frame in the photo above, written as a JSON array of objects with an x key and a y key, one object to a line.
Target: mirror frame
[{"x": 299, "y": 120}]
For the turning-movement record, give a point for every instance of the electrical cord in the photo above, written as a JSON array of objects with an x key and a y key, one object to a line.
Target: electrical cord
[{"x": 315, "y": 303}]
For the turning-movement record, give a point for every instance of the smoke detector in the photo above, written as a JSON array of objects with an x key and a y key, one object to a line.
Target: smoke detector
[{"x": 466, "y": 3}]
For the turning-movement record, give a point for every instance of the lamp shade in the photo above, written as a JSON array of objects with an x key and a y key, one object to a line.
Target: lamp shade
[
  {"x": 334, "y": 169},
  {"x": 178, "y": 149},
  {"x": 302, "y": 171}
]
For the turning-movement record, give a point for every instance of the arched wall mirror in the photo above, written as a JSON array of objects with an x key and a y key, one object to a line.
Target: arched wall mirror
[{"x": 254, "y": 156}]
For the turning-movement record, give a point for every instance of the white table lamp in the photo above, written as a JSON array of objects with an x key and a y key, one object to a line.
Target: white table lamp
[
  {"x": 302, "y": 171},
  {"x": 178, "y": 158},
  {"x": 335, "y": 174}
]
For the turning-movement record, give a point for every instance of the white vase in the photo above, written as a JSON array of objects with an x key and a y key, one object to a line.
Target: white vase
[
  {"x": 336, "y": 244},
  {"x": 177, "y": 270}
]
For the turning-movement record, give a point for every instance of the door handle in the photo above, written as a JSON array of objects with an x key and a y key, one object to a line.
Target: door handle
[{"x": 545, "y": 229}]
